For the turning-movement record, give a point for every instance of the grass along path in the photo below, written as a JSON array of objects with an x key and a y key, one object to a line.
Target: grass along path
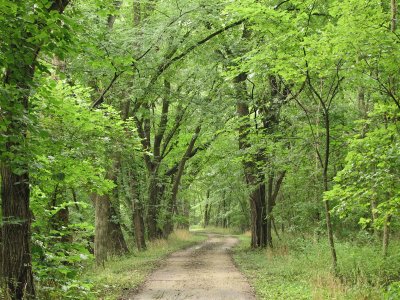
[
  {"x": 124, "y": 274},
  {"x": 299, "y": 269}
]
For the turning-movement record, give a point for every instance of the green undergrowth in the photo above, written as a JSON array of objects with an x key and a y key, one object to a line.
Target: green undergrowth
[
  {"x": 123, "y": 275},
  {"x": 299, "y": 268}
]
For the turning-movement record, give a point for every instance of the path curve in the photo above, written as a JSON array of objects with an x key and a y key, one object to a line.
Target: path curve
[{"x": 204, "y": 271}]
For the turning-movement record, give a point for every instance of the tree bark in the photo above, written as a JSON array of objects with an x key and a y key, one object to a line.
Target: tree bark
[
  {"x": 326, "y": 188},
  {"x": 137, "y": 215},
  {"x": 258, "y": 211},
  {"x": 139, "y": 225},
  {"x": 393, "y": 6},
  {"x": 16, "y": 234},
  {"x": 272, "y": 194},
  {"x": 152, "y": 212},
  {"x": 109, "y": 239},
  {"x": 16, "y": 269},
  {"x": 102, "y": 212}
]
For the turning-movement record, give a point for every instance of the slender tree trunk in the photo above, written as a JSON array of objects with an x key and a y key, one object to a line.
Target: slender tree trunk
[
  {"x": 205, "y": 221},
  {"x": 269, "y": 206},
  {"x": 186, "y": 214},
  {"x": 326, "y": 188},
  {"x": 139, "y": 226},
  {"x": 152, "y": 213},
  {"x": 177, "y": 180},
  {"x": 393, "y": 5},
  {"x": 386, "y": 234},
  {"x": 206, "y": 210},
  {"x": 374, "y": 218}
]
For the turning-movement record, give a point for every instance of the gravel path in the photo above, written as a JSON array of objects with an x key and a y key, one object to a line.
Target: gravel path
[{"x": 204, "y": 271}]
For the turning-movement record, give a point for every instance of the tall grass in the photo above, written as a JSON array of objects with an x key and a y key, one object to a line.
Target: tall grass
[{"x": 299, "y": 267}]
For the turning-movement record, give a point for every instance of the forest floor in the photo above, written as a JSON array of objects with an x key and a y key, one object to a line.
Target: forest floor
[{"x": 203, "y": 271}]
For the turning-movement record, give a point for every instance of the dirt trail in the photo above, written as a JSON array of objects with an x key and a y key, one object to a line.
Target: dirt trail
[{"x": 204, "y": 271}]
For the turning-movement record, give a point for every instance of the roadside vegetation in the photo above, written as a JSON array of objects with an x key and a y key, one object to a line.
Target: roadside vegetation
[{"x": 296, "y": 269}]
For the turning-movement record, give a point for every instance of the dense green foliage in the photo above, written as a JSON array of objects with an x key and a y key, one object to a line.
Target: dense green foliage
[{"x": 121, "y": 121}]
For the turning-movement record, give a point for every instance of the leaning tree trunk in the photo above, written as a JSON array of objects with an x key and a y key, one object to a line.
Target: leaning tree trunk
[{"x": 169, "y": 226}]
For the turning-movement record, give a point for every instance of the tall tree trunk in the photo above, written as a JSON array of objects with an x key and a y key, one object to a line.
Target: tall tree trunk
[
  {"x": 139, "y": 225},
  {"x": 269, "y": 206},
  {"x": 117, "y": 243},
  {"x": 258, "y": 211},
  {"x": 326, "y": 188},
  {"x": 16, "y": 218},
  {"x": 102, "y": 213},
  {"x": 16, "y": 269},
  {"x": 152, "y": 213},
  {"x": 137, "y": 214},
  {"x": 109, "y": 239},
  {"x": 16, "y": 233},
  {"x": 258, "y": 217}
]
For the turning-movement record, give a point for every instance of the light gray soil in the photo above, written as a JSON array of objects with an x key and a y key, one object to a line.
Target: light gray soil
[{"x": 204, "y": 271}]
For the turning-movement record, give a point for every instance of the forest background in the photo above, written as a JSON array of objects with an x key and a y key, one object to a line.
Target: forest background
[{"x": 122, "y": 121}]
